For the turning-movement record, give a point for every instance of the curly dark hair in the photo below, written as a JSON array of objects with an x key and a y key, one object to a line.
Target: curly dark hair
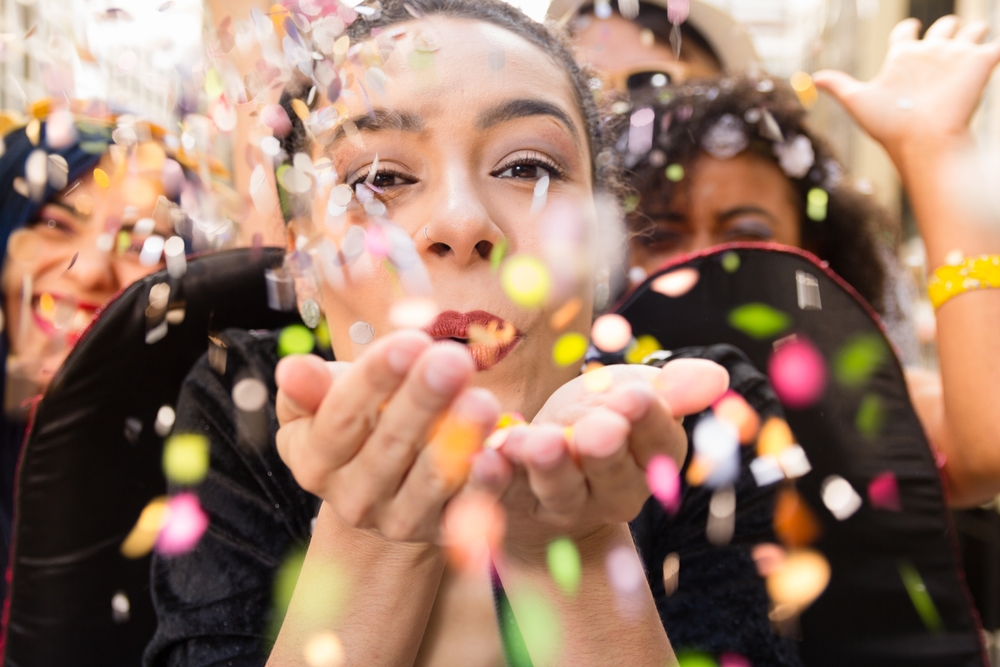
[{"x": 854, "y": 230}]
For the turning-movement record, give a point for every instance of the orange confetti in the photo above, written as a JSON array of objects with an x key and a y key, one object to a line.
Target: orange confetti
[
  {"x": 562, "y": 317},
  {"x": 775, "y": 436},
  {"x": 472, "y": 526},
  {"x": 453, "y": 445},
  {"x": 698, "y": 471},
  {"x": 794, "y": 523},
  {"x": 494, "y": 333},
  {"x": 143, "y": 535},
  {"x": 734, "y": 409}
]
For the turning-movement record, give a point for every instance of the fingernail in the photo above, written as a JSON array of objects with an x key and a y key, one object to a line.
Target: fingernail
[
  {"x": 632, "y": 402},
  {"x": 472, "y": 406},
  {"x": 487, "y": 468},
  {"x": 402, "y": 355},
  {"x": 443, "y": 377},
  {"x": 548, "y": 450}
]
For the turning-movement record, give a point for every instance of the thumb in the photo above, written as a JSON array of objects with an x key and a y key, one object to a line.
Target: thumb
[
  {"x": 691, "y": 385},
  {"x": 303, "y": 381},
  {"x": 840, "y": 85}
]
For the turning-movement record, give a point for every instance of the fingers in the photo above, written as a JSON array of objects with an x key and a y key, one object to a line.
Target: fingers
[
  {"x": 689, "y": 386},
  {"x": 601, "y": 441},
  {"x": 839, "y": 84},
  {"x": 654, "y": 429},
  {"x": 303, "y": 381},
  {"x": 554, "y": 478},
  {"x": 973, "y": 32},
  {"x": 351, "y": 408},
  {"x": 942, "y": 29},
  {"x": 906, "y": 30}
]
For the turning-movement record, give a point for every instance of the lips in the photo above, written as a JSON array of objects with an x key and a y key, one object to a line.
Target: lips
[
  {"x": 489, "y": 338},
  {"x": 60, "y": 313}
]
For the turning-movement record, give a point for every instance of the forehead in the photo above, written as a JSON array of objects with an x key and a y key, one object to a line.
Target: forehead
[{"x": 443, "y": 64}]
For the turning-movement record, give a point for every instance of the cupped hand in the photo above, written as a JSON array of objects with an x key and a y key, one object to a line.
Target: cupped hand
[
  {"x": 927, "y": 89},
  {"x": 387, "y": 440},
  {"x": 581, "y": 464}
]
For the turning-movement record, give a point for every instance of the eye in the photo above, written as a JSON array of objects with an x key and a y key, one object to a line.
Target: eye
[
  {"x": 658, "y": 236},
  {"x": 384, "y": 178},
  {"x": 529, "y": 167},
  {"x": 54, "y": 223},
  {"x": 749, "y": 230}
]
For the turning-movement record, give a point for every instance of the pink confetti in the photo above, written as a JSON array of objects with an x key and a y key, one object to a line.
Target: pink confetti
[
  {"x": 676, "y": 283},
  {"x": 185, "y": 524},
  {"x": 664, "y": 482},
  {"x": 883, "y": 492},
  {"x": 733, "y": 660},
  {"x": 677, "y": 11},
  {"x": 798, "y": 374},
  {"x": 376, "y": 242},
  {"x": 275, "y": 117},
  {"x": 611, "y": 333}
]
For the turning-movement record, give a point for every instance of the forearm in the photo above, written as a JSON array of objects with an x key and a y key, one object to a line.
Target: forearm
[
  {"x": 375, "y": 595},
  {"x": 595, "y": 626},
  {"x": 967, "y": 324}
]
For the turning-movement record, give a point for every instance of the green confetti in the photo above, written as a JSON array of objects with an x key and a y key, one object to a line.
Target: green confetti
[
  {"x": 123, "y": 242},
  {"x": 185, "y": 458},
  {"x": 420, "y": 59},
  {"x": 322, "y": 333},
  {"x": 759, "y": 320},
  {"x": 919, "y": 596},
  {"x": 630, "y": 203},
  {"x": 94, "y": 147},
  {"x": 870, "y": 416},
  {"x": 695, "y": 659},
  {"x": 816, "y": 204},
  {"x": 497, "y": 254},
  {"x": 323, "y": 595},
  {"x": 564, "y": 565},
  {"x": 539, "y": 627},
  {"x": 861, "y": 357},
  {"x": 731, "y": 262},
  {"x": 295, "y": 339},
  {"x": 675, "y": 173}
]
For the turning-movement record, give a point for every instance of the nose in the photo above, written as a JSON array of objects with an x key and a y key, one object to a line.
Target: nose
[
  {"x": 95, "y": 273},
  {"x": 701, "y": 239},
  {"x": 459, "y": 226}
]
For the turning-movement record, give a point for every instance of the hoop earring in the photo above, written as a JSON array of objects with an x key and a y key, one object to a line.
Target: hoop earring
[{"x": 425, "y": 233}]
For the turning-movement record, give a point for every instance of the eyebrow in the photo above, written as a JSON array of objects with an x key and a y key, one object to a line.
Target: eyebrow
[
  {"x": 743, "y": 210},
  {"x": 63, "y": 205},
  {"x": 525, "y": 108},
  {"x": 379, "y": 120}
]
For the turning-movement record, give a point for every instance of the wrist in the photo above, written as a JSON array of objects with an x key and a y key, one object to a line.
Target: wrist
[
  {"x": 365, "y": 544},
  {"x": 916, "y": 156},
  {"x": 592, "y": 544}
]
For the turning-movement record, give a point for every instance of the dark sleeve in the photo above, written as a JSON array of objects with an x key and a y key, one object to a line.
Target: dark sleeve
[
  {"x": 720, "y": 604},
  {"x": 214, "y": 603}
]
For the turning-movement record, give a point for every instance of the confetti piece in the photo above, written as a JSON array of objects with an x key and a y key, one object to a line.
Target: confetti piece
[
  {"x": 250, "y": 395},
  {"x": 566, "y": 313},
  {"x": 664, "y": 482},
  {"x": 671, "y": 572},
  {"x": 185, "y": 458},
  {"x": 121, "y": 608},
  {"x": 295, "y": 339},
  {"x": 883, "y": 492},
  {"x": 174, "y": 251},
  {"x": 184, "y": 526},
  {"x": 759, "y": 320},
  {"x": 800, "y": 578},
  {"x": 721, "y": 516},
  {"x": 840, "y": 497},
  {"x": 540, "y": 195},
  {"x": 361, "y": 333},
  {"x": 597, "y": 378},
  {"x": 794, "y": 523},
  {"x": 804, "y": 88},
  {"x": 324, "y": 650},
  {"x": 766, "y": 470},
  {"x": 767, "y": 557},
  {"x": 797, "y": 372},
  {"x": 919, "y": 596},
  {"x": 625, "y": 571},
  {"x": 142, "y": 537},
  {"x": 807, "y": 291},
  {"x": 734, "y": 660},
  {"x": 676, "y": 283},
  {"x": 152, "y": 250},
  {"x": 300, "y": 109},
  {"x": 564, "y": 565},
  {"x": 525, "y": 281},
  {"x": 794, "y": 462},
  {"x": 101, "y": 178},
  {"x": 717, "y": 443},
  {"x": 611, "y": 333},
  {"x": 859, "y": 359},
  {"x": 540, "y": 629},
  {"x": 695, "y": 659},
  {"x": 413, "y": 313},
  {"x": 165, "y": 418},
  {"x": 731, "y": 262},
  {"x": 641, "y": 348},
  {"x": 497, "y": 253},
  {"x": 453, "y": 445},
  {"x": 870, "y": 416},
  {"x": 60, "y": 129},
  {"x": 674, "y": 173},
  {"x": 775, "y": 436},
  {"x": 276, "y": 119},
  {"x": 733, "y": 409},
  {"x": 816, "y": 204}
]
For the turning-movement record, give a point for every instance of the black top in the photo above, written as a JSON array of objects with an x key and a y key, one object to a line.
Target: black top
[{"x": 214, "y": 604}]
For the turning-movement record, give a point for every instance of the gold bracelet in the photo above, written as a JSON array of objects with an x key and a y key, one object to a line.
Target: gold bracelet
[{"x": 950, "y": 280}]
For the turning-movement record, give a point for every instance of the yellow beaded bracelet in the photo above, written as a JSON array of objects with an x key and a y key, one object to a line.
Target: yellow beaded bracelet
[{"x": 981, "y": 272}]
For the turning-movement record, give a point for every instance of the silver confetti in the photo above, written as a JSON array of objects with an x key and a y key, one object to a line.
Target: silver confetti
[{"x": 361, "y": 333}]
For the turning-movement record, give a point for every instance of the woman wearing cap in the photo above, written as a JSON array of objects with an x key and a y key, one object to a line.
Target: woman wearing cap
[{"x": 79, "y": 224}]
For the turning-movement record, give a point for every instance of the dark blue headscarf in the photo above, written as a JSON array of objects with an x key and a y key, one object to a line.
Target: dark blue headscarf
[{"x": 16, "y": 211}]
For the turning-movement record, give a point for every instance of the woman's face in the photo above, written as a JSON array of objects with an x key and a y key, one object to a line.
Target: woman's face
[
  {"x": 744, "y": 198},
  {"x": 58, "y": 270},
  {"x": 471, "y": 119},
  {"x": 617, "y": 49}
]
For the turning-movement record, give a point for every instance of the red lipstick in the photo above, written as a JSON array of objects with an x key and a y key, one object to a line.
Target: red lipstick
[{"x": 489, "y": 338}]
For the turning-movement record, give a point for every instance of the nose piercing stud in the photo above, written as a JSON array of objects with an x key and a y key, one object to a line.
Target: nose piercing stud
[{"x": 425, "y": 233}]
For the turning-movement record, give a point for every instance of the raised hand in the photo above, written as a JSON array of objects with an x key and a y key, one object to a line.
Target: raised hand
[
  {"x": 581, "y": 464},
  {"x": 361, "y": 435},
  {"x": 927, "y": 89}
]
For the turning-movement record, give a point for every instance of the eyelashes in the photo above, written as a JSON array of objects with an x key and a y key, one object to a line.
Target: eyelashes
[{"x": 531, "y": 159}]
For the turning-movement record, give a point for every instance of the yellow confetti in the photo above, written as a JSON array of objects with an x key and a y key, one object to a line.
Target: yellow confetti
[
  {"x": 569, "y": 348},
  {"x": 644, "y": 346},
  {"x": 797, "y": 581},
  {"x": 47, "y": 304},
  {"x": 597, "y": 380},
  {"x": 300, "y": 109},
  {"x": 185, "y": 458},
  {"x": 101, "y": 178},
  {"x": 804, "y": 87},
  {"x": 324, "y": 650},
  {"x": 526, "y": 281},
  {"x": 32, "y": 131},
  {"x": 143, "y": 535},
  {"x": 775, "y": 436}
]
